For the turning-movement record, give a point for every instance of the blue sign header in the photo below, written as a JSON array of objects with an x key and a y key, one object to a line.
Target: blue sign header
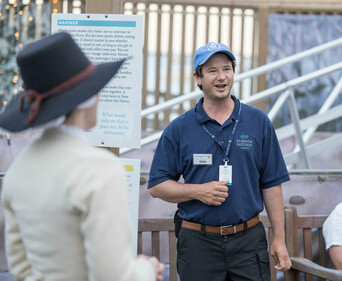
[{"x": 96, "y": 23}]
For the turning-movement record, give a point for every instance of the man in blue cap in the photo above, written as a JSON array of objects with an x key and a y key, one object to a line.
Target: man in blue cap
[{"x": 231, "y": 162}]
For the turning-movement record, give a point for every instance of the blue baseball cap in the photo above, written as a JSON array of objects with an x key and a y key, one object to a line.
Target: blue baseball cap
[{"x": 205, "y": 52}]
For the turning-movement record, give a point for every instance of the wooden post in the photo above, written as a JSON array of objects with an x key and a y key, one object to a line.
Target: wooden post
[
  {"x": 104, "y": 6},
  {"x": 262, "y": 47},
  {"x": 114, "y": 150}
]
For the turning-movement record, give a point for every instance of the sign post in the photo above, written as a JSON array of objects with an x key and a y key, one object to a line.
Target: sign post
[{"x": 109, "y": 38}]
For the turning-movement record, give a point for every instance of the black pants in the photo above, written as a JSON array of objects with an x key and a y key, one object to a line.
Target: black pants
[{"x": 212, "y": 257}]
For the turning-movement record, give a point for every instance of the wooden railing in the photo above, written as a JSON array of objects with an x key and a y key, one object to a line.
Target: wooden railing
[
  {"x": 306, "y": 247},
  {"x": 304, "y": 242},
  {"x": 156, "y": 227},
  {"x": 174, "y": 29}
]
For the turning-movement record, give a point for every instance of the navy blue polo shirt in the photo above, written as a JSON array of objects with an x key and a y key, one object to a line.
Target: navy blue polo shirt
[{"x": 255, "y": 156}]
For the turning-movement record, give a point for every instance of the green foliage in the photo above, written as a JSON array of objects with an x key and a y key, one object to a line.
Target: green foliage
[{"x": 19, "y": 25}]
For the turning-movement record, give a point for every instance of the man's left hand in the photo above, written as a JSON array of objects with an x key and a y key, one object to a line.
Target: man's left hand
[{"x": 280, "y": 255}]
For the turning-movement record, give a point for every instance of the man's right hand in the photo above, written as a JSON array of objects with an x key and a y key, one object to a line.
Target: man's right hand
[{"x": 213, "y": 193}]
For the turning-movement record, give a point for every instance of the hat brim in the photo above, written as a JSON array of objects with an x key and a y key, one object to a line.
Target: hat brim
[{"x": 14, "y": 120}]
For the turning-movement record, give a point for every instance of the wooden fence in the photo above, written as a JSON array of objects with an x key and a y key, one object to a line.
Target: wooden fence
[{"x": 174, "y": 29}]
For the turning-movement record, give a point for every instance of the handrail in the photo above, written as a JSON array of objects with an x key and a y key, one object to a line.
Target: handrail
[
  {"x": 310, "y": 172},
  {"x": 282, "y": 132},
  {"x": 305, "y": 124},
  {"x": 291, "y": 83},
  {"x": 301, "y": 172},
  {"x": 325, "y": 107},
  {"x": 249, "y": 100},
  {"x": 293, "y": 58},
  {"x": 293, "y": 172},
  {"x": 249, "y": 74},
  {"x": 241, "y": 76},
  {"x": 331, "y": 175}
]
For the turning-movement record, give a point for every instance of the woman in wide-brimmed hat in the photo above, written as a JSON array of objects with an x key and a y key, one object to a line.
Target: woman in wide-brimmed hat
[{"x": 65, "y": 202}]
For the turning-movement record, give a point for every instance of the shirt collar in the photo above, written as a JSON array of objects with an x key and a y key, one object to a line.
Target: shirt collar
[
  {"x": 74, "y": 131},
  {"x": 203, "y": 117},
  {"x": 236, "y": 109}
]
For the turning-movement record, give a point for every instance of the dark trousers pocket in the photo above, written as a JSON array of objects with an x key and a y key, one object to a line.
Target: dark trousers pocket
[{"x": 264, "y": 265}]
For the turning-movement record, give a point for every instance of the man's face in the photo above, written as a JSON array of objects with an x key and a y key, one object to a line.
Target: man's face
[{"x": 217, "y": 77}]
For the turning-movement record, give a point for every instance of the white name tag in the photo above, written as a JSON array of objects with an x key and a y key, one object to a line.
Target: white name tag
[
  {"x": 225, "y": 173},
  {"x": 203, "y": 159}
]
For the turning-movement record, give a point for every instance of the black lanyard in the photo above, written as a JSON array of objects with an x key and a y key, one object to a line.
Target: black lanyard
[{"x": 225, "y": 159}]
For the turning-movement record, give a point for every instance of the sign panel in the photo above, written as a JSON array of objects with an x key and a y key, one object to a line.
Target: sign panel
[
  {"x": 105, "y": 38},
  {"x": 132, "y": 168}
]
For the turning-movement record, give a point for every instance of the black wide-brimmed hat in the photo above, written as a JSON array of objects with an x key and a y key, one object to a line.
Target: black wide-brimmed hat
[{"x": 57, "y": 77}]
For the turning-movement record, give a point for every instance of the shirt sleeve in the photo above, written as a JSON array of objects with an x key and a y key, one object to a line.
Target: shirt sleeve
[
  {"x": 18, "y": 264},
  {"x": 332, "y": 228},
  {"x": 102, "y": 202},
  {"x": 166, "y": 163}
]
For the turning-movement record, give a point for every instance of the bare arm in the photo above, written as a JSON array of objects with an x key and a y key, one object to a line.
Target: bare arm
[
  {"x": 335, "y": 253},
  {"x": 273, "y": 199},
  {"x": 211, "y": 193}
]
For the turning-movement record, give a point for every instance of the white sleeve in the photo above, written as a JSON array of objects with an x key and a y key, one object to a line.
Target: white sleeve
[
  {"x": 18, "y": 264},
  {"x": 332, "y": 228},
  {"x": 105, "y": 226}
]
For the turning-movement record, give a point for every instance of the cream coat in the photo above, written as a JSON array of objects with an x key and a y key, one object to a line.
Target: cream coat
[{"x": 67, "y": 214}]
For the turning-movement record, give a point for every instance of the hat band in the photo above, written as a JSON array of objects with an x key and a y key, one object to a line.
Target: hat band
[{"x": 35, "y": 98}]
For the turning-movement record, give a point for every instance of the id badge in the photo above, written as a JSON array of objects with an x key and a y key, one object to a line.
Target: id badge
[{"x": 225, "y": 173}]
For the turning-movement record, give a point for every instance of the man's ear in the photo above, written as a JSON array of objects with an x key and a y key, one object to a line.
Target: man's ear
[{"x": 198, "y": 79}]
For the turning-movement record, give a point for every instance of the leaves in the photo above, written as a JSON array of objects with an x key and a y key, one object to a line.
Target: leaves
[{"x": 18, "y": 26}]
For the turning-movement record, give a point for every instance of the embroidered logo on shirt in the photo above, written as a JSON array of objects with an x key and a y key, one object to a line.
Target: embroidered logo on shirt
[{"x": 244, "y": 142}]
